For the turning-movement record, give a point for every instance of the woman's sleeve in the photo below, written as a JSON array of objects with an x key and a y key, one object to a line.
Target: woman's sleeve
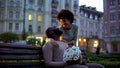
[
  {"x": 75, "y": 35},
  {"x": 48, "y": 56}
]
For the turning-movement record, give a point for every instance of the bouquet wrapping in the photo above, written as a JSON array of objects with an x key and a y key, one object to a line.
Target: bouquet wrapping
[{"x": 72, "y": 55}]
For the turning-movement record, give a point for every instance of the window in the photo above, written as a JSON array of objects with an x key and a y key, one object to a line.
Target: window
[
  {"x": 81, "y": 32},
  {"x": 0, "y": 15},
  {"x": 11, "y": 3},
  {"x": 17, "y": 14},
  {"x": 39, "y": 18},
  {"x": 106, "y": 28},
  {"x": 39, "y": 28},
  {"x": 86, "y": 33},
  {"x": 0, "y": 4},
  {"x": 91, "y": 16},
  {"x": 75, "y": 4},
  {"x": 10, "y": 26},
  {"x": 114, "y": 30},
  {"x": 112, "y": 16},
  {"x": 119, "y": 15},
  {"x": 85, "y": 14},
  {"x": 40, "y": 9},
  {"x": 118, "y": 2},
  {"x": 112, "y": 2},
  {"x": 11, "y": 14},
  {"x": 96, "y": 17},
  {"x": 30, "y": 17},
  {"x": 17, "y": 26},
  {"x": 115, "y": 47},
  {"x": 30, "y": 28},
  {"x": 40, "y": 2},
  {"x": 88, "y": 15},
  {"x": 31, "y": 1},
  {"x": 18, "y": 4}
]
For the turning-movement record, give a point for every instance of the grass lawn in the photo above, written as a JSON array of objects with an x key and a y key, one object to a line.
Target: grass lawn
[{"x": 109, "y": 61}]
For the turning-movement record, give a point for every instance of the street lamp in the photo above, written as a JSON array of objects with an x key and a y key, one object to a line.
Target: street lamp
[
  {"x": 82, "y": 41},
  {"x": 95, "y": 44}
]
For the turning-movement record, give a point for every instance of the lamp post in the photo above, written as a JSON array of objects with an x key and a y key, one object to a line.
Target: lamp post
[{"x": 24, "y": 35}]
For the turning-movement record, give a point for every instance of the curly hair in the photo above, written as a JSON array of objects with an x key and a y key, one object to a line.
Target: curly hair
[{"x": 65, "y": 14}]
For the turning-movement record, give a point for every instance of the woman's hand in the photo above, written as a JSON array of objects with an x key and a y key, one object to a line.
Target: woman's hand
[
  {"x": 70, "y": 43},
  {"x": 54, "y": 43}
]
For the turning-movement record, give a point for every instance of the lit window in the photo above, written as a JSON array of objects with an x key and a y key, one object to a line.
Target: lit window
[
  {"x": 39, "y": 18},
  {"x": 30, "y": 17}
]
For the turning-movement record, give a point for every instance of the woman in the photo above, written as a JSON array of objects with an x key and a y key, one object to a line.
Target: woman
[
  {"x": 70, "y": 30},
  {"x": 54, "y": 55}
]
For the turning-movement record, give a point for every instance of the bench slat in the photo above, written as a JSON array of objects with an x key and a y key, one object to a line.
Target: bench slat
[
  {"x": 19, "y": 46},
  {"x": 19, "y": 51},
  {"x": 20, "y": 57},
  {"x": 19, "y": 64}
]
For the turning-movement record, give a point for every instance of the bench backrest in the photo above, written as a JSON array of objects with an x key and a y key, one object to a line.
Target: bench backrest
[{"x": 17, "y": 55}]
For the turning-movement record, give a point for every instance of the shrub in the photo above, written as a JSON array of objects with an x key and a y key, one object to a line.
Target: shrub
[
  {"x": 33, "y": 41},
  {"x": 108, "y": 60},
  {"x": 9, "y": 37}
]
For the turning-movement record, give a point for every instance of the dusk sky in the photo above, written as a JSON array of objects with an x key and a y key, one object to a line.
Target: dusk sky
[{"x": 93, "y": 3}]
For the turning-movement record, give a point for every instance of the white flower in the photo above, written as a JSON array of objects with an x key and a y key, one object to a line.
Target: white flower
[{"x": 72, "y": 53}]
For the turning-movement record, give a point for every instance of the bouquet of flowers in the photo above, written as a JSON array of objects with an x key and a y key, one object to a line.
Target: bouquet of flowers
[{"x": 72, "y": 55}]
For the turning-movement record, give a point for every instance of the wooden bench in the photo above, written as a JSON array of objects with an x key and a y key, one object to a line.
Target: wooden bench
[{"x": 20, "y": 56}]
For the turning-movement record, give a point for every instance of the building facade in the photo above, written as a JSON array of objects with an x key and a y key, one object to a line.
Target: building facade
[
  {"x": 33, "y": 16},
  {"x": 112, "y": 25},
  {"x": 90, "y": 28}
]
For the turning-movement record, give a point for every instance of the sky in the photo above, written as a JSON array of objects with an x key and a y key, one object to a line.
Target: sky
[{"x": 93, "y": 3}]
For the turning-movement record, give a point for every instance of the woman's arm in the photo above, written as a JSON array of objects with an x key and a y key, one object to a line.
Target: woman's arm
[
  {"x": 48, "y": 56},
  {"x": 53, "y": 42},
  {"x": 75, "y": 35}
]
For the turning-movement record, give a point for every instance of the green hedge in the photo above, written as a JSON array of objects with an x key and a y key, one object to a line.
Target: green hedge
[
  {"x": 9, "y": 37},
  {"x": 108, "y": 60},
  {"x": 110, "y": 64}
]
